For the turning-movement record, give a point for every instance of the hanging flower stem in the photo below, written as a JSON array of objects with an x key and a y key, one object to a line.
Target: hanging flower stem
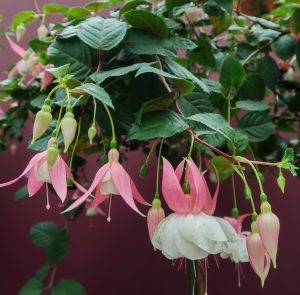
[
  {"x": 75, "y": 145},
  {"x": 158, "y": 167},
  {"x": 114, "y": 140}
]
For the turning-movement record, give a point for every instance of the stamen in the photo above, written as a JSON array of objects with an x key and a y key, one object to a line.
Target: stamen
[
  {"x": 109, "y": 209},
  {"x": 47, "y": 196},
  {"x": 205, "y": 264}
]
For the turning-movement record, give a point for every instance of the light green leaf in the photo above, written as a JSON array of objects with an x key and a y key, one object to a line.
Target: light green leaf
[
  {"x": 69, "y": 287},
  {"x": 97, "y": 6},
  {"x": 232, "y": 72},
  {"x": 25, "y": 17},
  {"x": 158, "y": 124},
  {"x": 60, "y": 71},
  {"x": 287, "y": 161},
  {"x": 257, "y": 125},
  {"x": 251, "y": 105},
  {"x": 78, "y": 12},
  {"x": 96, "y": 91},
  {"x": 148, "y": 21},
  {"x": 55, "y": 9},
  {"x": 224, "y": 167}
]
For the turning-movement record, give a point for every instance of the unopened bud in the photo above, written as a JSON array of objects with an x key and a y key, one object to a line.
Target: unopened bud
[
  {"x": 235, "y": 212},
  {"x": 186, "y": 188},
  {"x": 113, "y": 156},
  {"x": 20, "y": 31},
  {"x": 42, "y": 32},
  {"x": 263, "y": 197},
  {"x": 42, "y": 120},
  {"x": 247, "y": 193},
  {"x": 281, "y": 182},
  {"x": 52, "y": 154},
  {"x": 68, "y": 128},
  {"x": 265, "y": 207},
  {"x": 144, "y": 170},
  {"x": 92, "y": 133}
]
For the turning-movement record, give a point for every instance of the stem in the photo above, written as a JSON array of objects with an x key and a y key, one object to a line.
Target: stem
[
  {"x": 52, "y": 276},
  {"x": 79, "y": 98},
  {"x": 59, "y": 117},
  {"x": 201, "y": 277},
  {"x": 158, "y": 166},
  {"x": 234, "y": 191},
  {"x": 75, "y": 144},
  {"x": 191, "y": 146},
  {"x": 37, "y": 8},
  {"x": 53, "y": 90},
  {"x": 95, "y": 110},
  {"x": 111, "y": 121},
  {"x": 151, "y": 150}
]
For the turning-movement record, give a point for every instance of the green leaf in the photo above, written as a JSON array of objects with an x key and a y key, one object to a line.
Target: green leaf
[
  {"x": 287, "y": 160},
  {"x": 43, "y": 233},
  {"x": 21, "y": 193},
  {"x": 226, "y": 4},
  {"x": 58, "y": 248},
  {"x": 203, "y": 55},
  {"x": 251, "y": 105},
  {"x": 69, "y": 287},
  {"x": 156, "y": 104},
  {"x": 133, "y": 5},
  {"x": 60, "y": 71},
  {"x": 232, "y": 72},
  {"x": 96, "y": 91},
  {"x": 42, "y": 272},
  {"x": 298, "y": 52},
  {"x": 98, "y": 32},
  {"x": 215, "y": 122},
  {"x": 195, "y": 103},
  {"x": 32, "y": 287},
  {"x": 285, "y": 47},
  {"x": 170, "y": 4},
  {"x": 257, "y": 125},
  {"x": 73, "y": 52},
  {"x": 268, "y": 70},
  {"x": 25, "y": 17},
  {"x": 240, "y": 139},
  {"x": 252, "y": 88},
  {"x": 101, "y": 76},
  {"x": 181, "y": 72},
  {"x": 158, "y": 124},
  {"x": 38, "y": 45},
  {"x": 55, "y": 9},
  {"x": 78, "y": 12},
  {"x": 294, "y": 21},
  {"x": 223, "y": 166},
  {"x": 97, "y": 6},
  {"x": 148, "y": 21}
]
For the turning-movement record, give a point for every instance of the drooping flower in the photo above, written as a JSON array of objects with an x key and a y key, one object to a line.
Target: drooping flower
[
  {"x": 155, "y": 215},
  {"x": 268, "y": 227},
  {"x": 258, "y": 256},
  {"x": 190, "y": 232},
  {"x": 29, "y": 66},
  {"x": 40, "y": 173},
  {"x": 112, "y": 179}
]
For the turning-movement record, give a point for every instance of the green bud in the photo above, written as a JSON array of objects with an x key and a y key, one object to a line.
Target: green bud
[
  {"x": 52, "y": 154},
  {"x": 254, "y": 226},
  {"x": 41, "y": 123},
  {"x": 92, "y": 133},
  {"x": 156, "y": 203},
  {"x": 68, "y": 128},
  {"x": 254, "y": 217},
  {"x": 113, "y": 144},
  {"x": 20, "y": 31},
  {"x": 281, "y": 182},
  {"x": 247, "y": 193},
  {"x": 42, "y": 32},
  {"x": 261, "y": 177},
  {"x": 263, "y": 197},
  {"x": 186, "y": 188},
  {"x": 235, "y": 212},
  {"x": 265, "y": 207},
  {"x": 144, "y": 170}
]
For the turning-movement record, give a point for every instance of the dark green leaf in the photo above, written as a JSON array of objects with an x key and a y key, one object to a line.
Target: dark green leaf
[
  {"x": 133, "y": 5},
  {"x": 148, "y": 21},
  {"x": 21, "y": 193},
  {"x": 73, "y": 52},
  {"x": 294, "y": 21},
  {"x": 55, "y": 9},
  {"x": 251, "y": 105},
  {"x": 78, "y": 12},
  {"x": 298, "y": 52},
  {"x": 232, "y": 72},
  {"x": 32, "y": 287},
  {"x": 42, "y": 272},
  {"x": 268, "y": 70},
  {"x": 203, "y": 55},
  {"x": 223, "y": 166},
  {"x": 38, "y": 45},
  {"x": 285, "y": 46},
  {"x": 68, "y": 287},
  {"x": 97, "y": 6},
  {"x": 257, "y": 125},
  {"x": 158, "y": 124},
  {"x": 294, "y": 103},
  {"x": 226, "y": 4},
  {"x": 252, "y": 88},
  {"x": 25, "y": 17},
  {"x": 240, "y": 139},
  {"x": 97, "y": 92},
  {"x": 43, "y": 234},
  {"x": 170, "y": 4},
  {"x": 58, "y": 248}
]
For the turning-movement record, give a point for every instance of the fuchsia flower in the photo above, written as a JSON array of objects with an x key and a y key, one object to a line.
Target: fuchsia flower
[
  {"x": 191, "y": 231},
  {"x": 40, "y": 173},
  {"x": 112, "y": 179},
  {"x": 155, "y": 215},
  {"x": 258, "y": 256},
  {"x": 29, "y": 66}
]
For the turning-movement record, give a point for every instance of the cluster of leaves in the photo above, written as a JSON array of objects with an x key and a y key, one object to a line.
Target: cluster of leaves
[{"x": 56, "y": 244}]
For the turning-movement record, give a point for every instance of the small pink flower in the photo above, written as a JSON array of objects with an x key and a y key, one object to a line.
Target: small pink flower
[
  {"x": 112, "y": 179},
  {"x": 258, "y": 256},
  {"x": 268, "y": 227},
  {"x": 29, "y": 66},
  {"x": 155, "y": 215},
  {"x": 40, "y": 173},
  {"x": 1, "y": 113}
]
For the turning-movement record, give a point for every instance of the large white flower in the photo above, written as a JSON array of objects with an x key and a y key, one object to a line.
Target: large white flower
[{"x": 193, "y": 236}]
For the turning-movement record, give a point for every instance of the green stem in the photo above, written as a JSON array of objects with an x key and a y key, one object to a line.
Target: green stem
[
  {"x": 234, "y": 191},
  {"x": 191, "y": 147},
  {"x": 151, "y": 150},
  {"x": 75, "y": 144},
  {"x": 158, "y": 167},
  {"x": 53, "y": 90},
  {"x": 95, "y": 110},
  {"x": 76, "y": 101},
  {"x": 111, "y": 122},
  {"x": 59, "y": 116}
]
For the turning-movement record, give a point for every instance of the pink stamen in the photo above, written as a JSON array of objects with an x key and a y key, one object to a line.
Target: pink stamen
[
  {"x": 109, "y": 209},
  {"x": 47, "y": 197}
]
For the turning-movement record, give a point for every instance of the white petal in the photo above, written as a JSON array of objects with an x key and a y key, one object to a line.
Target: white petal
[
  {"x": 41, "y": 172},
  {"x": 107, "y": 186}
]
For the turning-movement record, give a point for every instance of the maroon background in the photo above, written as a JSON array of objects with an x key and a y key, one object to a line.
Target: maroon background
[{"x": 113, "y": 258}]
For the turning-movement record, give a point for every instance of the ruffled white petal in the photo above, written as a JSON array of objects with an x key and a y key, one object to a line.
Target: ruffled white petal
[{"x": 107, "y": 186}]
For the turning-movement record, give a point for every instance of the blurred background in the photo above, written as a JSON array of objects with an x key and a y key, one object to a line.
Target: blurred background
[{"x": 117, "y": 257}]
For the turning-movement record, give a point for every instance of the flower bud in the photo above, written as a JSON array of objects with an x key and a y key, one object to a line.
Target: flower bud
[
  {"x": 247, "y": 193},
  {"x": 155, "y": 215},
  {"x": 268, "y": 227},
  {"x": 144, "y": 170},
  {"x": 68, "y": 127},
  {"x": 20, "y": 31},
  {"x": 42, "y": 32},
  {"x": 92, "y": 133},
  {"x": 42, "y": 121},
  {"x": 194, "y": 14},
  {"x": 113, "y": 155},
  {"x": 52, "y": 154},
  {"x": 281, "y": 182},
  {"x": 235, "y": 212}
]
